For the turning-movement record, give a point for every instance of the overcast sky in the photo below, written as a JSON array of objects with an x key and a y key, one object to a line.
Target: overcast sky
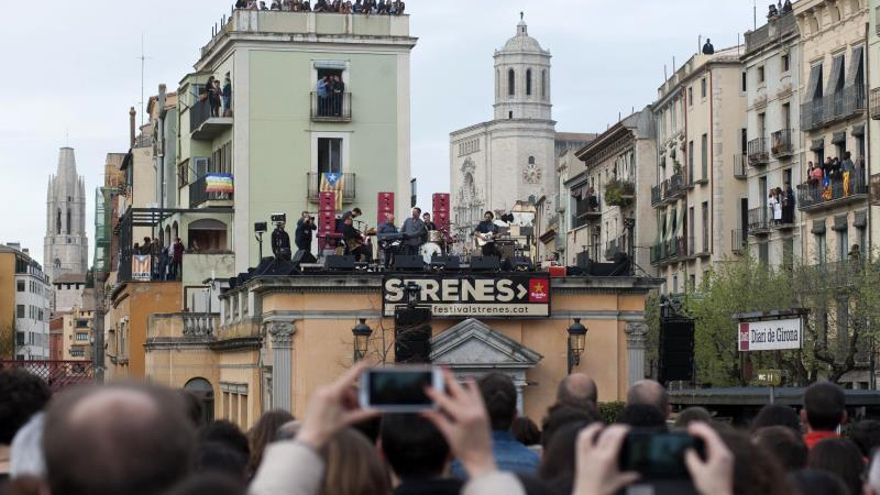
[{"x": 73, "y": 69}]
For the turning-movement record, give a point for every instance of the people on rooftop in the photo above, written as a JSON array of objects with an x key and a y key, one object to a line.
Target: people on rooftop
[{"x": 367, "y": 7}]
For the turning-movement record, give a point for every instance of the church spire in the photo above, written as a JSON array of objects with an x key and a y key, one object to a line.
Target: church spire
[{"x": 66, "y": 165}]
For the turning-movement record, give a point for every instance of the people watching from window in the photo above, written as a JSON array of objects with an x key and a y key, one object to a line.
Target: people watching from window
[{"x": 382, "y": 7}]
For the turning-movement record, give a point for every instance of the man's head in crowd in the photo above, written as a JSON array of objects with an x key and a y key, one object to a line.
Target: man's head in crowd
[
  {"x": 499, "y": 394},
  {"x": 389, "y": 218},
  {"x": 413, "y": 447},
  {"x": 132, "y": 439},
  {"x": 866, "y": 435},
  {"x": 22, "y": 394},
  {"x": 651, "y": 393},
  {"x": 356, "y": 212},
  {"x": 841, "y": 457},
  {"x": 642, "y": 416},
  {"x": 816, "y": 482},
  {"x": 415, "y": 212},
  {"x": 577, "y": 388},
  {"x": 785, "y": 445},
  {"x": 692, "y": 414},
  {"x": 562, "y": 414},
  {"x": 824, "y": 407},
  {"x": 872, "y": 477},
  {"x": 777, "y": 415}
]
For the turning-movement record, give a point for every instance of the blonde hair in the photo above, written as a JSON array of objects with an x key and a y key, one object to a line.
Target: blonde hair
[{"x": 353, "y": 466}]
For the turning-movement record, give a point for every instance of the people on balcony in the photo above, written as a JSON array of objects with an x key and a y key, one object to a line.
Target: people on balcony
[
  {"x": 176, "y": 258},
  {"x": 227, "y": 96},
  {"x": 775, "y": 206},
  {"x": 788, "y": 204},
  {"x": 380, "y": 7},
  {"x": 303, "y": 235}
]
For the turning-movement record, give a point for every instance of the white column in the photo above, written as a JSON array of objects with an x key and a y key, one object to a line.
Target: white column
[
  {"x": 636, "y": 340},
  {"x": 282, "y": 357}
]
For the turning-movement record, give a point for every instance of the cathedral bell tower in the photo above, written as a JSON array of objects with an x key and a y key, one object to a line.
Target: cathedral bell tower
[
  {"x": 522, "y": 78},
  {"x": 65, "y": 247}
]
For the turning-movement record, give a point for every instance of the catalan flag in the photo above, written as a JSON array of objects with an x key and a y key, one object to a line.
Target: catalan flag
[
  {"x": 335, "y": 183},
  {"x": 219, "y": 183}
]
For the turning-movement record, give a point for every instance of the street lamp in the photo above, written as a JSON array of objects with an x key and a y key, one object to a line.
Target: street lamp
[
  {"x": 577, "y": 334},
  {"x": 362, "y": 334}
]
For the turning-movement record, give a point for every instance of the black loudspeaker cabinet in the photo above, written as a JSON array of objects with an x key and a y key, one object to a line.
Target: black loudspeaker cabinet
[
  {"x": 450, "y": 262},
  {"x": 485, "y": 263},
  {"x": 412, "y": 335},
  {"x": 334, "y": 262},
  {"x": 676, "y": 350},
  {"x": 303, "y": 256},
  {"x": 409, "y": 262}
]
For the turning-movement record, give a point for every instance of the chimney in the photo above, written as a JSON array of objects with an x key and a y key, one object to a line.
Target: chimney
[{"x": 131, "y": 124}]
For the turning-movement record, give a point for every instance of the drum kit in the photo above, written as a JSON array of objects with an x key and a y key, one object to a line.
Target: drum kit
[{"x": 436, "y": 246}]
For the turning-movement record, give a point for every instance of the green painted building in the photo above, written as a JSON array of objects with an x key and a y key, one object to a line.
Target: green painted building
[{"x": 276, "y": 132}]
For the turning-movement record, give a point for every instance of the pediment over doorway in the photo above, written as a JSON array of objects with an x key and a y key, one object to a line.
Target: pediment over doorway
[{"x": 474, "y": 345}]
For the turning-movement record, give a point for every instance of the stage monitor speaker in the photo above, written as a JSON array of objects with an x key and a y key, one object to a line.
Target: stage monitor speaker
[
  {"x": 582, "y": 260},
  {"x": 448, "y": 262},
  {"x": 339, "y": 263},
  {"x": 676, "y": 350},
  {"x": 279, "y": 267},
  {"x": 409, "y": 262},
  {"x": 485, "y": 263},
  {"x": 303, "y": 256},
  {"x": 412, "y": 335},
  {"x": 522, "y": 264}
]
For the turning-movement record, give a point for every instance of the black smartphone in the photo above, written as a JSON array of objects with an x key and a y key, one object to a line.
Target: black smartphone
[
  {"x": 658, "y": 455},
  {"x": 399, "y": 389}
]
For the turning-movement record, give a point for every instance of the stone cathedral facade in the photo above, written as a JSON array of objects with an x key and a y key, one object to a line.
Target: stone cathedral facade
[
  {"x": 511, "y": 158},
  {"x": 65, "y": 247}
]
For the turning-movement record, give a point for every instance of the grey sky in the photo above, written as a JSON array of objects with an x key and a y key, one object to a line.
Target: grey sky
[{"x": 76, "y": 69}]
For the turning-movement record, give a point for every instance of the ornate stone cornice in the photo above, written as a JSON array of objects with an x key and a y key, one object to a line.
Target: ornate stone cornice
[{"x": 281, "y": 331}]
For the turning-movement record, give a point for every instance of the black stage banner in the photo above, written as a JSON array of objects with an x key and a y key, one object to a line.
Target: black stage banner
[{"x": 480, "y": 296}]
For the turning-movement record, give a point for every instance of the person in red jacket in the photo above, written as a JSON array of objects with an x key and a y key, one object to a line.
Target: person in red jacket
[{"x": 823, "y": 413}]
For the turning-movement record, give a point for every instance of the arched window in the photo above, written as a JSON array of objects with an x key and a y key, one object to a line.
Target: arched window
[
  {"x": 68, "y": 221},
  {"x": 203, "y": 390},
  {"x": 531, "y": 160},
  {"x": 511, "y": 82},
  {"x": 58, "y": 221},
  {"x": 529, "y": 82},
  {"x": 544, "y": 83},
  {"x": 57, "y": 264}
]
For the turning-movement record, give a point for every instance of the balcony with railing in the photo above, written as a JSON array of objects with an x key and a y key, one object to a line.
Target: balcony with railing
[
  {"x": 781, "y": 144},
  {"x": 585, "y": 210},
  {"x": 758, "y": 152},
  {"x": 669, "y": 250},
  {"x": 204, "y": 124},
  {"x": 738, "y": 241},
  {"x": 348, "y": 183},
  {"x": 875, "y": 103},
  {"x": 656, "y": 195},
  {"x": 186, "y": 327},
  {"x": 740, "y": 162},
  {"x": 331, "y": 108},
  {"x": 812, "y": 197},
  {"x": 823, "y": 111},
  {"x": 212, "y": 190},
  {"x": 614, "y": 247},
  {"x": 759, "y": 220}
]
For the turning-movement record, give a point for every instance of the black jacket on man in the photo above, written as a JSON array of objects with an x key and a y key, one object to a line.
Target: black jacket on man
[
  {"x": 280, "y": 244},
  {"x": 303, "y": 234}
]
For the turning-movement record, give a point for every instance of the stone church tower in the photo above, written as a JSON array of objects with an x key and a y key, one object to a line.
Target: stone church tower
[
  {"x": 65, "y": 247},
  {"x": 494, "y": 164}
]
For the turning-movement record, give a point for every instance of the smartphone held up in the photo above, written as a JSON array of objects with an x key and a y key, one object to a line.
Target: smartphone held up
[{"x": 399, "y": 389}]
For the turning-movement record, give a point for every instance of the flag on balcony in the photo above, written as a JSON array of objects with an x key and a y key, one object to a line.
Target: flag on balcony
[
  {"x": 219, "y": 183},
  {"x": 335, "y": 183}
]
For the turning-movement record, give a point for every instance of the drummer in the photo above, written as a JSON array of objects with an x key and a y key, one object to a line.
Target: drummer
[{"x": 428, "y": 223}]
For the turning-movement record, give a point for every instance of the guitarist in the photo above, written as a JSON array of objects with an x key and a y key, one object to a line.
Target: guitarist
[
  {"x": 355, "y": 243},
  {"x": 485, "y": 235}
]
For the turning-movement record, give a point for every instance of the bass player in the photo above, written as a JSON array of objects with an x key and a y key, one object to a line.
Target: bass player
[{"x": 485, "y": 235}]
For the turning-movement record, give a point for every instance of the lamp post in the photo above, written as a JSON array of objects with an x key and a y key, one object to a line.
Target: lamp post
[
  {"x": 577, "y": 334},
  {"x": 362, "y": 333}
]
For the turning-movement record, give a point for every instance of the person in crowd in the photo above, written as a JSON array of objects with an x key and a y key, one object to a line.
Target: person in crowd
[
  {"x": 757, "y": 471},
  {"x": 786, "y": 7},
  {"x": 354, "y": 241},
  {"x": 708, "y": 49},
  {"x": 26, "y": 458},
  {"x": 774, "y": 206},
  {"x": 323, "y": 91},
  {"x": 132, "y": 439},
  {"x": 499, "y": 395},
  {"x": 784, "y": 444},
  {"x": 320, "y": 6},
  {"x": 219, "y": 458},
  {"x": 817, "y": 175},
  {"x": 644, "y": 416},
  {"x": 305, "y": 226},
  {"x": 176, "y": 258},
  {"x": 414, "y": 231},
  {"x": 164, "y": 262},
  {"x": 381, "y": 8},
  {"x": 263, "y": 433},
  {"x": 207, "y": 484},
  {"x": 872, "y": 477},
  {"x": 847, "y": 168},
  {"x": 263, "y": 5},
  {"x": 155, "y": 253},
  {"x": 816, "y": 482},
  {"x": 296, "y": 6},
  {"x": 777, "y": 415},
  {"x": 651, "y": 393},
  {"x": 358, "y": 7},
  {"x": 227, "y": 96},
  {"x": 208, "y": 92},
  {"x": 866, "y": 435},
  {"x": 487, "y": 230},
  {"x": 561, "y": 414},
  {"x": 195, "y": 409},
  {"x": 281, "y": 242},
  {"x": 823, "y": 412},
  {"x": 217, "y": 94},
  {"x": 146, "y": 247},
  {"x": 426, "y": 218},
  {"x": 558, "y": 467},
  {"x": 788, "y": 204},
  {"x": 772, "y": 11},
  {"x": 240, "y": 4},
  {"x": 384, "y": 230},
  {"x": 228, "y": 434},
  {"x": 22, "y": 395},
  {"x": 306, "y": 6},
  {"x": 839, "y": 456},
  {"x": 691, "y": 415},
  {"x": 337, "y": 90},
  {"x": 526, "y": 432},
  {"x": 418, "y": 455},
  {"x": 352, "y": 466},
  {"x": 576, "y": 389}
]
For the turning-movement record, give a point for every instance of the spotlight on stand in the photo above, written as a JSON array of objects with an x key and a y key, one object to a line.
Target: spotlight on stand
[{"x": 260, "y": 228}]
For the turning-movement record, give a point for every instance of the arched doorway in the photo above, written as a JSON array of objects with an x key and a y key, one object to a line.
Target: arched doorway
[
  {"x": 207, "y": 235},
  {"x": 202, "y": 389}
]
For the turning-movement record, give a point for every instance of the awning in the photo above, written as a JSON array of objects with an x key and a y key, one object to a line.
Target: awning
[
  {"x": 818, "y": 227},
  {"x": 840, "y": 222},
  {"x": 817, "y": 145},
  {"x": 838, "y": 137},
  {"x": 860, "y": 220},
  {"x": 858, "y": 130}
]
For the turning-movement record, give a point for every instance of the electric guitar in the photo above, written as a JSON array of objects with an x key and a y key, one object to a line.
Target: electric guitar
[{"x": 484, "y": 238}]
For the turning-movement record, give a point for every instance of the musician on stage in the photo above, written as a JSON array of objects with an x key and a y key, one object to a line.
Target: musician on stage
[
  {"x": 385, "y": 229},
  {"x": 414, "y": 232},
  {"x": 280, "y": 243},
  {"x": 303, "y": 235},
  {"x": 428, "y": 223},
  {"x": 352, "y": 213},
  {"x": 355, "y": 242},
  {"x": 485, "y": 233}
]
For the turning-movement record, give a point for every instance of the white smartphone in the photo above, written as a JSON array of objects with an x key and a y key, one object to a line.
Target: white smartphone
[{"x": 399, "y": 389}]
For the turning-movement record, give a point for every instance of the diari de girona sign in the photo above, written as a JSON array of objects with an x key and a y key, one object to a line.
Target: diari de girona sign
[
  {"x": 771, "y": 335},
  {"x": 488, "y": 296}
]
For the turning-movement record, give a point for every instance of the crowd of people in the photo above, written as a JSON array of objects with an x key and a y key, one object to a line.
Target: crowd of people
[
  {"x": 145, "y": 439},
  {"x": 330, "y": 90},
  {"x": 378, "y": 7},
  {"x": 845, "y": 174},
  {"x": 165, "y": 261},
  {"x": 781, "y": 204}
]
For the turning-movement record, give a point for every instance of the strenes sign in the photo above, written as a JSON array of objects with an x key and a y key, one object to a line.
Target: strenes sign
[
  {"x": 770, "y": 335},
  {"x": 489, "y": 296}
]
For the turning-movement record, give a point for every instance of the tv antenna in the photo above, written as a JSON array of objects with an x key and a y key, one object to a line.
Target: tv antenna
[{"x": 143, "y": 59}]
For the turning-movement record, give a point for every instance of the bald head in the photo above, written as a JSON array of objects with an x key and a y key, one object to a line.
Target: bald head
[
  {"x": 117, "y": 439},
  {"x": 577, "y": 388},
  {"x": 650, "y": 393}
]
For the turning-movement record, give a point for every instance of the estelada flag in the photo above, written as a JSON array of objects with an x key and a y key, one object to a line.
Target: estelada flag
[{"x": 333, "y": 182}]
